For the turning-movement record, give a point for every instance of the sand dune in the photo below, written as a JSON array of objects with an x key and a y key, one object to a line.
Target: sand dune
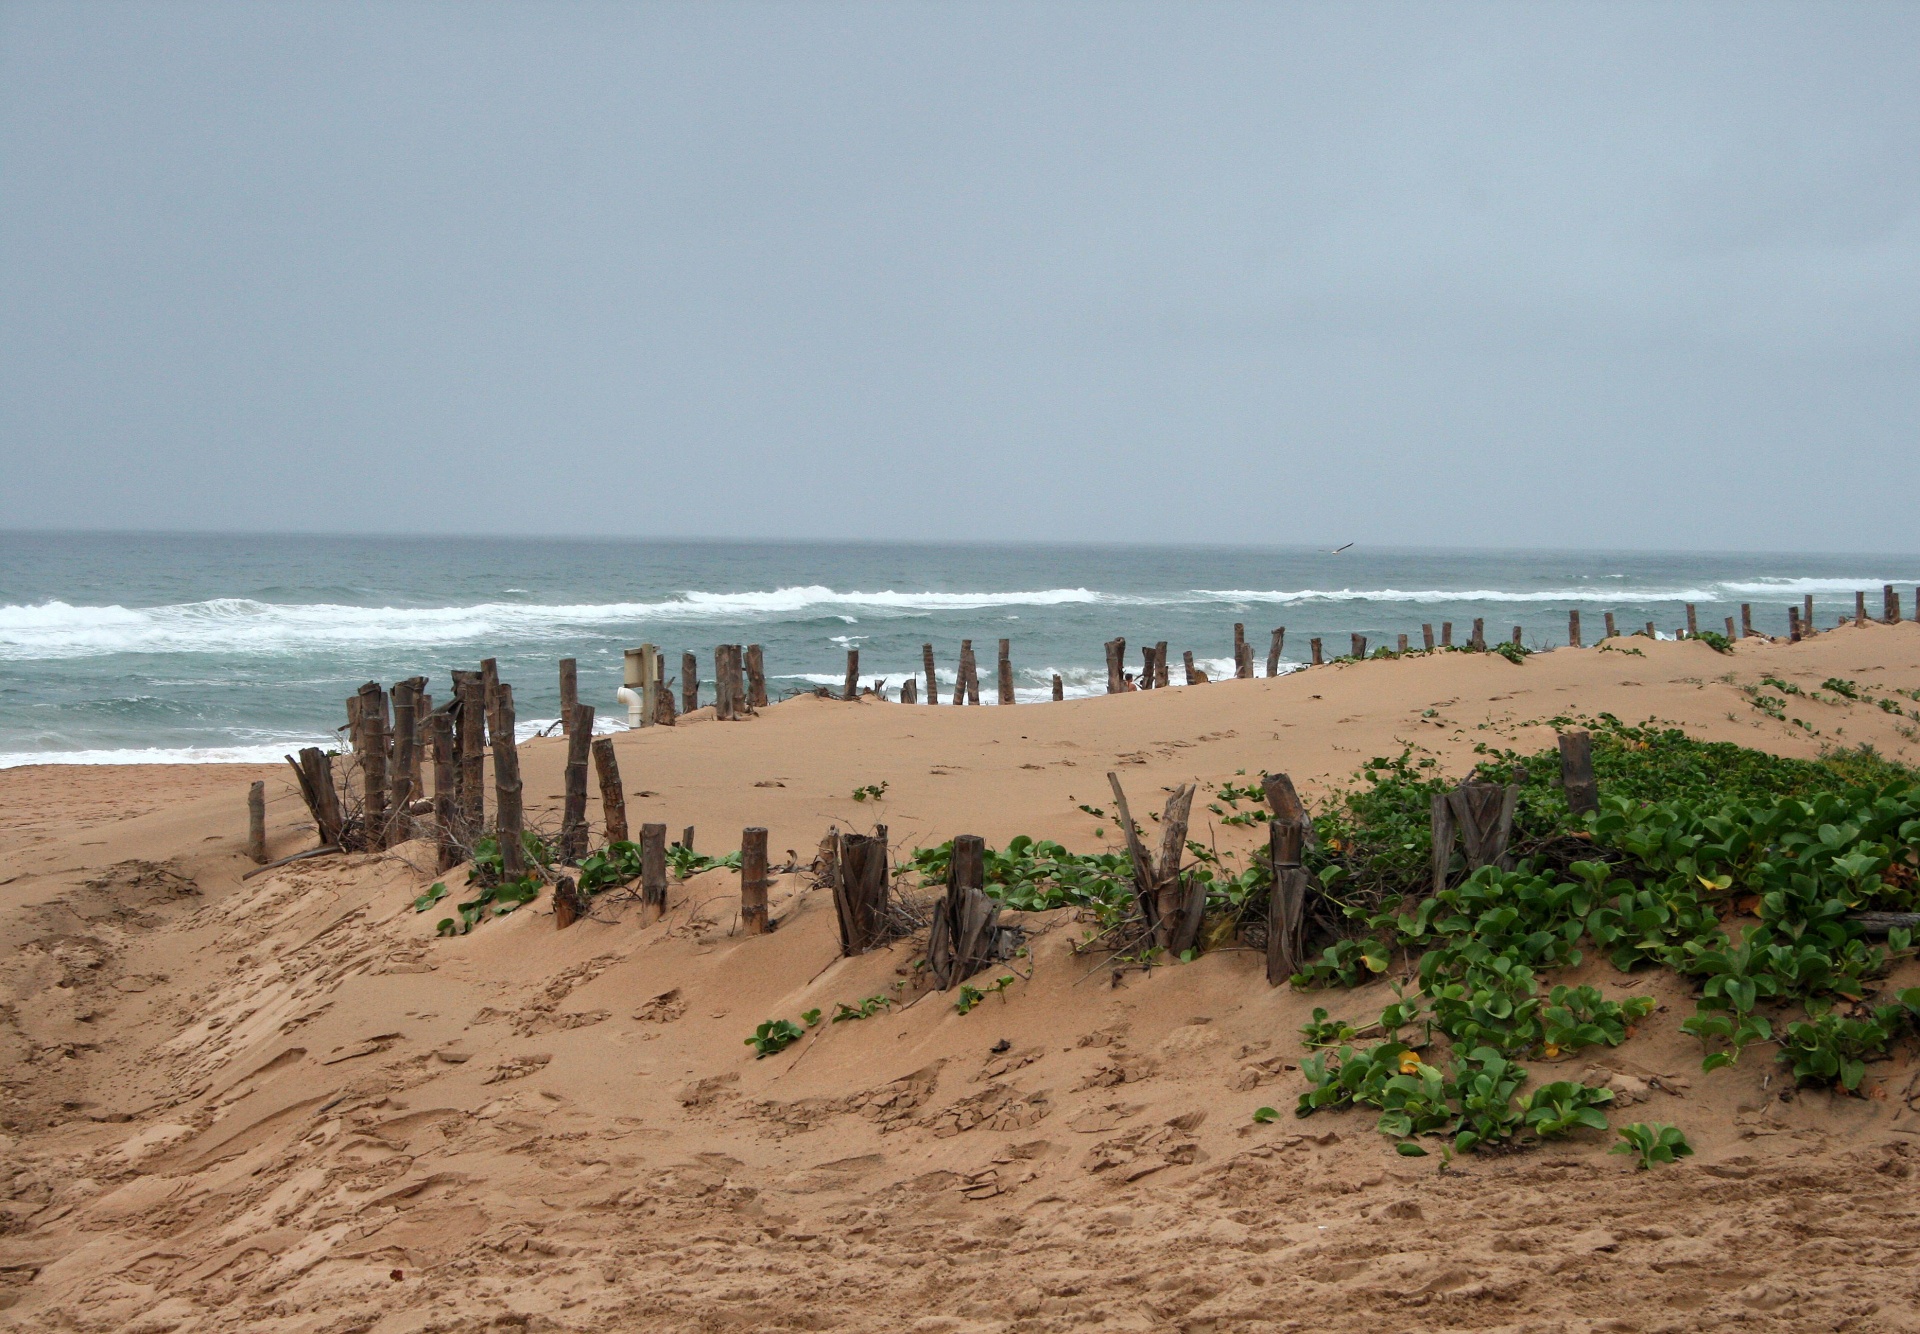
[{"x": 285, "y": 1105}]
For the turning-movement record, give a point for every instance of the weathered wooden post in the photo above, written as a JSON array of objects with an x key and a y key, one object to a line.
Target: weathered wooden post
[
  {"x": 1116, "y": 666},
  {"x": 860, "y": 886},
  {"x": 1278, "y": 642},
  {"x": 1245, "y": 669},
  {"x": 470, "y": 695},
  {"x": 851, "y": 689},
  {"x": 737, "y": 673},
  {"x": 1730, "y": 635},
  {"x": 314, "y": 771},
  {"x": 933, "y": 682},
  {"x": 686, "y": 838},
  {"x": 961, "y": 940},
  {"x": 1059, "y": 688},
  {"x": 725, "y": 706},
  {"x": 1746, "y": 620},
  {"x": 506, "y": 787},
  {"x": 1515, "y": 641},
  {"x": 569, "y": 904},
  {"x": 1650, "y": 631},
  {"x": 257, "y": 822},
  {"x": 1146, "y": 667},
  {"x": 1318, "y": 659},
  {"x": 1193, "y": 673},
  {"x": 653, "y": 873},
  {"x": 1287, "y": 904},
  {"x": 569, "y": 693},
  {"x": 490, "y": 686},
  {"x": 756, "y": 677},
  {"x": 1426, "y": 636},
  {"x": 573, "y": 818},
  {"x": 1446, "y": 634},
  {"x": 1403, "y": 645},
  {"x": 1610, "y": 630},
  {"x": 1006, "y": 671},
  {"x": 400, "y": 780},
  {"x": 1793, "y": 625},
  {"x": 1479, "y": 641},
  {"x": 1576, "y": 773},
  {"x": 1573, "y": 630},
  {"x": 1693, "y": 623},
  {"x": 1859, "y": 608},
  {"x": 910, "y": 691},
  {"x": 753, "y": 881},
  {"x": 372, "y": 745},
  {"x": 1159, "y": 664},
  {"x": 970, "y": 671},
  {"x": 689, "y": 683},
  {"x": 446, "y": 787},
  {"x": 1481, "y": 815},
  {"x": 422, "y": 710},
  {"x": 1359, "y": 646},
  {"x": 1239, "y": 646},
  {"x": 1806, "y": 617}
]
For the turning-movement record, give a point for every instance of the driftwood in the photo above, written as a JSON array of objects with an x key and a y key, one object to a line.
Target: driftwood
[
  {"x": 862, "y": 879},
  {"x": 1481, "y": 816},
  {"x": 753, "y": 882},
  {"x": 963, "y": 937},
  {"x": 613, "y": 801},
  {"x": 573, "y": 819},
  {"x": 1879, "y": 923}
]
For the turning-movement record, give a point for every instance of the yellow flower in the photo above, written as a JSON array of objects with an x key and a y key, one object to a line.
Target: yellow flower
[
  {"x": 1552, "y": 1051},
  {"x": 1409, "y": 1063}
]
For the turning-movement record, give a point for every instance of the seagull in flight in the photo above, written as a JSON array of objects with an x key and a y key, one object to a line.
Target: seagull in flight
[{"x": 1337, "y": 550}]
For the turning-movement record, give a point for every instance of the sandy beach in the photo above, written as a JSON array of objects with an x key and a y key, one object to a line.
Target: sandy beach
[{"x": 284, "y": 1104}]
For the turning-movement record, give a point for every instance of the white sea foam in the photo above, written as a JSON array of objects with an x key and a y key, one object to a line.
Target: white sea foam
[
  {"x": 250, "y": 754},
  {"x": 1419, "y": 595},
  {"x": 1798, "y": 588},
  {"x": 243, "y": 625}
]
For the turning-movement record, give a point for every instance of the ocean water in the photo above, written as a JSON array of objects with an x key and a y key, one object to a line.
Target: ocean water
[{"x": 149, "y": 648}]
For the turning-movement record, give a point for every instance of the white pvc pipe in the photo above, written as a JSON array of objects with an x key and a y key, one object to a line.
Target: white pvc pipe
[{"x": 632, "y": 699}]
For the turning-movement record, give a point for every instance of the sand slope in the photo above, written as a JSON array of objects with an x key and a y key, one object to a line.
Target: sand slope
[{"x": 285, "y": 1105}]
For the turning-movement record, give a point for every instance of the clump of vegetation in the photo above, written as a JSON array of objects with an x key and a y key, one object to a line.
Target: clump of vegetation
[
  {"x": 866, "y": 1009},
  {"x": 870, "y": 791},
  {"x": 774, "y": 1036},
  {"x": 1650, "y": 1144},
  {"x": 492, "y": 901},
  {"x": 1714, "y": 640},
  {"x": 971, "y": 996}
]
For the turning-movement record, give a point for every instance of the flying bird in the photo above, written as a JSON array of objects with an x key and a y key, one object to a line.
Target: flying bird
[{"x": 1337, "y": 550}]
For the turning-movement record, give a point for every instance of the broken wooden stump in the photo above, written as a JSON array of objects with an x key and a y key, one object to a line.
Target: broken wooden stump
[
  {"x": 1693, "y": 623},
  {"x": 1573, "y": 630},
  {"x": 653, "y": 873},
  {"x": 569, "y": 904},
  {"x": 1117, "y": 666},
  {"x": 753, "y": 881},
  {"x": 861, "y": 882},
  {"x": 1359, "y": 646},
  {"x": 257, "y": 822},
  {"x": 1287, "y": 901},
  {"x": 1059, "y": 688},
  {"x": 966, "y": 922},
  {"x": 1746, "y": 620},
  {"x": 1446, "y": 634},
  {"x": 1165, "y": 898},
  {"x": 689, "y": 682},
  {"x": 1193, "y": 673},
  {"x": 1478, "y": 643},
  {"x": 1480, "y": 815},
  {"x": 851, "y": 690},
  {"x": 1314, "y": 645},
  {"x": 1793, "y": 625},
  {"x": 1611, "y": 632},
  {"x": 1576, "y": 773},
  {"x": 1160, "y": 664},
  {"x": 1274, "y": 646}
]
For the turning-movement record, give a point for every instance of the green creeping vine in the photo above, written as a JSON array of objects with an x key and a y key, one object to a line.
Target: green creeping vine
[
  {"x": 493, "y": 901},
  {"x": 618, "y": 864},
  {"x": 1796, "y": 846}
]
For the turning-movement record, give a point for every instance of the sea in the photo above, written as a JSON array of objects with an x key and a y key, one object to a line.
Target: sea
[{"x": 167, "y": 648}]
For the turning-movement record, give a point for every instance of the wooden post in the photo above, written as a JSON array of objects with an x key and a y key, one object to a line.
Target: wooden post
[
  {"x": 257, "y": 822},
  {"x": 1650, "y": 631},
  {"x": 1576, "y": 772},
  {"x": 490, "y": 685},
  {"x": 1403, "y": 645},
  {"x": 506, "y": 788},
  {"x": 1193, "y": 673},
  {"x": 1806, "y": 617},
  {"x": 1175, "y": 924},
  {"x": 446, "y": 789},
  {"x": 1746, "y": 620},
  {"x": 970, "y": 671},
  {"x": 1516, "y": 637},
  {"x": 372, "y": 747},
  {"x": 1273, "y": 651},
  {"x": 737, "y": 669},
  {"x": 910, "y": 691},
  {"x": 1730, "y": 634},
  {"x": 860, "y": 887},
  {"x": 961, "y": 939},
  {"x": 1059, "y": 688},
  {"x": 470, "y": 695},
  {"x": 1693, "y": 623},
  {"x": 569, "y": 693},
  {"x": 1573, "y": 630},
  {"x": 1793, "y": 625},
  {"x": 1481, "y": 815},
  {"x": 1890, "y": 605},
  {"x": 1426, "y": 636},
  {"x": 422, "y": 710},
  {"x": 1314, "y": 644},
  {"x": 686, "y": 838},
  {"x": 1146, "y": 667},
  {"x": 1610, "y": 630},
  {"x": 753, "y": 881},
  {"x": 1479, "y": 641},
  {"x": 569, "y": 904},
  {"x": 1860, "y": 608},
  {"x": 653, "y": 873},
  {"x": 1245, "y": 669},
  {"x": 1006, "y": 671},
  {"x": 1239, "y": 644},
  {"x": 573, "y": 819},
  {"x": 1446, "y": 634},
  {"x": 1116, "y": 665},
  {"x": 662, "y": 714},
  {"x": 400, "y": 780},
  {"x": 689, "y": 683},
  {"x": 1286, "y": 907},
  {"x": 314, "y": 772},
  {"x": 1359, "y": 646},
  {"x": 1159, "y": 664},
  {"x": 933, "y": 682},
  {"x": 756, "y": 677}
]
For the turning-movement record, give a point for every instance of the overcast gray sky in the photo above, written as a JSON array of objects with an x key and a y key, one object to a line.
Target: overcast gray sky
[{"x": 1466, "y": 274}]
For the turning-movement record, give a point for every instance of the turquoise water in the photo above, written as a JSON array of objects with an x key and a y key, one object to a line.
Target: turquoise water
[{"x": 173, "y": 648}]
